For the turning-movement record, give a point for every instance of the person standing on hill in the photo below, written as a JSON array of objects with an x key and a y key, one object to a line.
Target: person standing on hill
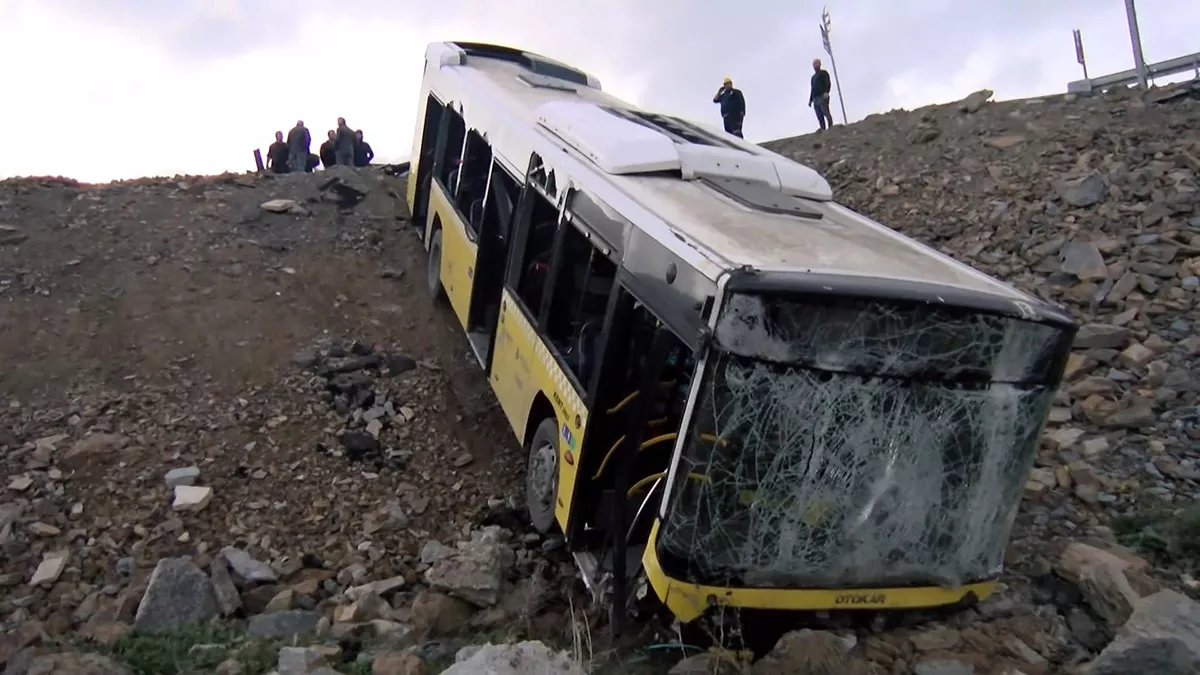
[
  {"x": 298, "y": 141},
  {"x": 277, "y": 155},
  {"x": 363, "y": 154},
  {"x": 733, "y": 107},
  {"x": 818, "y": 94},
  {"x": 328, "y": 156},
  {"x": 344, "y": 141}
]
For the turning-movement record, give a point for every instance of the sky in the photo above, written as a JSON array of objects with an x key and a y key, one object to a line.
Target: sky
[{"x": 100, "y": 90}]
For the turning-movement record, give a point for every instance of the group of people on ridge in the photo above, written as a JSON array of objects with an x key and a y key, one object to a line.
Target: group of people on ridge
[
  {"x": 733, "y": 103},
  {"x": 345, "y": 146}
]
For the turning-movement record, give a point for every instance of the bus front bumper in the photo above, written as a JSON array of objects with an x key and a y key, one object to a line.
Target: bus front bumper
[{"x": 689, "y": 601}]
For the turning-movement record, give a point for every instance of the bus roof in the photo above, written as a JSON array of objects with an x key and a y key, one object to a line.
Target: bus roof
[{"x": 705, "y": 195}]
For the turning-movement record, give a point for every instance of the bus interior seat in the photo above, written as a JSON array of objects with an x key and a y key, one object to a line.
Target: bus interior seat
[
  {"x": 504, "y": 212},
  {"x": 585, "y": 347},
  {"x": 475, "y": 214}
]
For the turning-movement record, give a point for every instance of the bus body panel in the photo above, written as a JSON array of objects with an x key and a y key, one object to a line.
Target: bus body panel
[
  {"x": 522, "y": 367},
  {"x": 458, "y": 252},
  {"x": 689, "y": 601}
]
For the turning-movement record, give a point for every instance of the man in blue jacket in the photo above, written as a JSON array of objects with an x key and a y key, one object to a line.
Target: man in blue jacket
[{"x": 733, "y": 107}]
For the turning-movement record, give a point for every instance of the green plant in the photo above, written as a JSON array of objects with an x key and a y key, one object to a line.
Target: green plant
[
  {"x": 172, "y": 652},
  {"x": 1168, "y": 535}
]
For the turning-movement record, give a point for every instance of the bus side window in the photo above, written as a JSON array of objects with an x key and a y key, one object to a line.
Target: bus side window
[
  {"x": 579, "y": 301},
  {"x": 451, "y": 149},
  {"x": 535, "y": 259},
  {"x": 472, "y": 179}
]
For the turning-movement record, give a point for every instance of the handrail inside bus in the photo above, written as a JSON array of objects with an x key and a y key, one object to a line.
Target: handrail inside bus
[
  {"x": 632, "y": 395},
  {"x": 648, "y": 444},
  {"x": 655, "y": 476}
]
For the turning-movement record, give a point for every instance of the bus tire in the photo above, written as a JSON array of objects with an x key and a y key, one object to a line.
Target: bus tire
[
  {"x": 433, "y": 271},
  {"x": 541, "y": 477}
]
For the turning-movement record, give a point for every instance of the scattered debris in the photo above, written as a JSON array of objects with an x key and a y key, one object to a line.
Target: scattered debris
[{"x": 191, "y": 497}]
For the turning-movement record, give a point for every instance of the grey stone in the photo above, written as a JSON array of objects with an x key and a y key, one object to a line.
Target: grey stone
[
  {"x": 19, "y": 663},
  {"x": 523, "y": 658},
  {"x": 178, "y": 593},
  {"x": 1085, "y": 192},
  {"x": 299, "y": 661},
  {"x": 474, "y": 572},
  {"x": 1101, "y": 336},
  {"x": 187, "y": 475},
  {"x": 283, "y": 624},
  {"x": 1083, "y": 260},
  {"x": 228, "y": 598},
  {"x": 246, "y": 567},
  {"x": 1162, "y": 636}
]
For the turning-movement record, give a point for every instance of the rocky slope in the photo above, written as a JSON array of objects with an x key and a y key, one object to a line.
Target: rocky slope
[
  {"x": 1093, "y": 203},
  {"x": 226, "y": 399}
]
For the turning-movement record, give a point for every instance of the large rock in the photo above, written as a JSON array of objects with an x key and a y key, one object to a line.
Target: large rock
[
  {"x": 523, "y": 658},
  {"x": 1162, "y": 637},
  {"x": 812, "y": 652},
  {"x": 437, "y": 614},
  {"x": 345, "y": 185},
  {"x": 475, "y": 572},
  {"x": 228, "y": 599},
  {"x": 92, "y": 449},
  {"x": 178, "y": 592},
  {"x": 1110, "y": 583},
  {"x": 246, "y": 568}
]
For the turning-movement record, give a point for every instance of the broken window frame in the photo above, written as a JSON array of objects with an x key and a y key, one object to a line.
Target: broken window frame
[{"x": 679, "y": 567}]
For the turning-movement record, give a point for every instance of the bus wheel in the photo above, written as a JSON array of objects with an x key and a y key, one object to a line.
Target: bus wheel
[
  {"x": 433, "y": 272},
  {"x": 541, "y": 480}
]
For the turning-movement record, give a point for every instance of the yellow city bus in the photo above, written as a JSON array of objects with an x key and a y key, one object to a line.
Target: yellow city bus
[{"x": 733, "y": 392}]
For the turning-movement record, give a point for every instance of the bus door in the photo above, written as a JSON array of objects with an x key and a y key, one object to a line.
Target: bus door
[
  {"x": 493, "y": 217},
  {"x": 420, "y": 175},
  {"x": 457, "y": 202}
]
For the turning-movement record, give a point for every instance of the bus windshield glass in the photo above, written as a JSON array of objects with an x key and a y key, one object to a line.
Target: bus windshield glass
[{"x": 858, "y": 442}]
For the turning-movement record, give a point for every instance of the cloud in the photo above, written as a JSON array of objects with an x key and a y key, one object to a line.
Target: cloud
[{"x": 103, "y": 89}]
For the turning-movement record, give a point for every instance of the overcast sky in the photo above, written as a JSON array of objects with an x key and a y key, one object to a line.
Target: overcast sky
[{"x": 104, "y": 89}]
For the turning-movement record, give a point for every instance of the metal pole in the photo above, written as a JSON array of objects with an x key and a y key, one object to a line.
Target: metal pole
[
  {"x": 837, "y": 83},
  {"x": 826, "y": 29},
  {"x": 1139, "y": 62},
  {"x": 1079, "y": 55}
]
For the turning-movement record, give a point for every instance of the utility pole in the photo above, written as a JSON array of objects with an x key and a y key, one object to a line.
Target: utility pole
[
  {"x": 1139, "y": 62},
  {"x": 825, "y": 26}
]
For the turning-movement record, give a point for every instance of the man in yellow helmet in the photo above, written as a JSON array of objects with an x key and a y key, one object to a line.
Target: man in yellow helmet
[{"x": 733, "y": 107}]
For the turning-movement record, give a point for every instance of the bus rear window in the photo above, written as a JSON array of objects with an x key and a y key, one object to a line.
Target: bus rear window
[{"x": 888, "y": 338}]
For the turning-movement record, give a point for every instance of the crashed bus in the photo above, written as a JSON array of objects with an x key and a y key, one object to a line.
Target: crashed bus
[{"x": 732, "y": 391}]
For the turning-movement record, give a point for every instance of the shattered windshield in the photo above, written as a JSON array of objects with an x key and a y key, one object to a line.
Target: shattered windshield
[{"x": 858, "y": 442}]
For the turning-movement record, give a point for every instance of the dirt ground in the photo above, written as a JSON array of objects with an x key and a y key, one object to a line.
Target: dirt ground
[{"x": 166, "y": 314}]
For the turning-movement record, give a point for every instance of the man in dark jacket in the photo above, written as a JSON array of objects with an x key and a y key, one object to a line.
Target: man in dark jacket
[
  {"x": 328, "y": 156},
  {"x": 298, "y": 141},
  {"x": 277, "y": 155},
  {"x": 363, "y": 154},
  {"x": 343, "y": 143},
  {"x": 733, "y": 107},
  {"x": 818, "y": 95}
]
